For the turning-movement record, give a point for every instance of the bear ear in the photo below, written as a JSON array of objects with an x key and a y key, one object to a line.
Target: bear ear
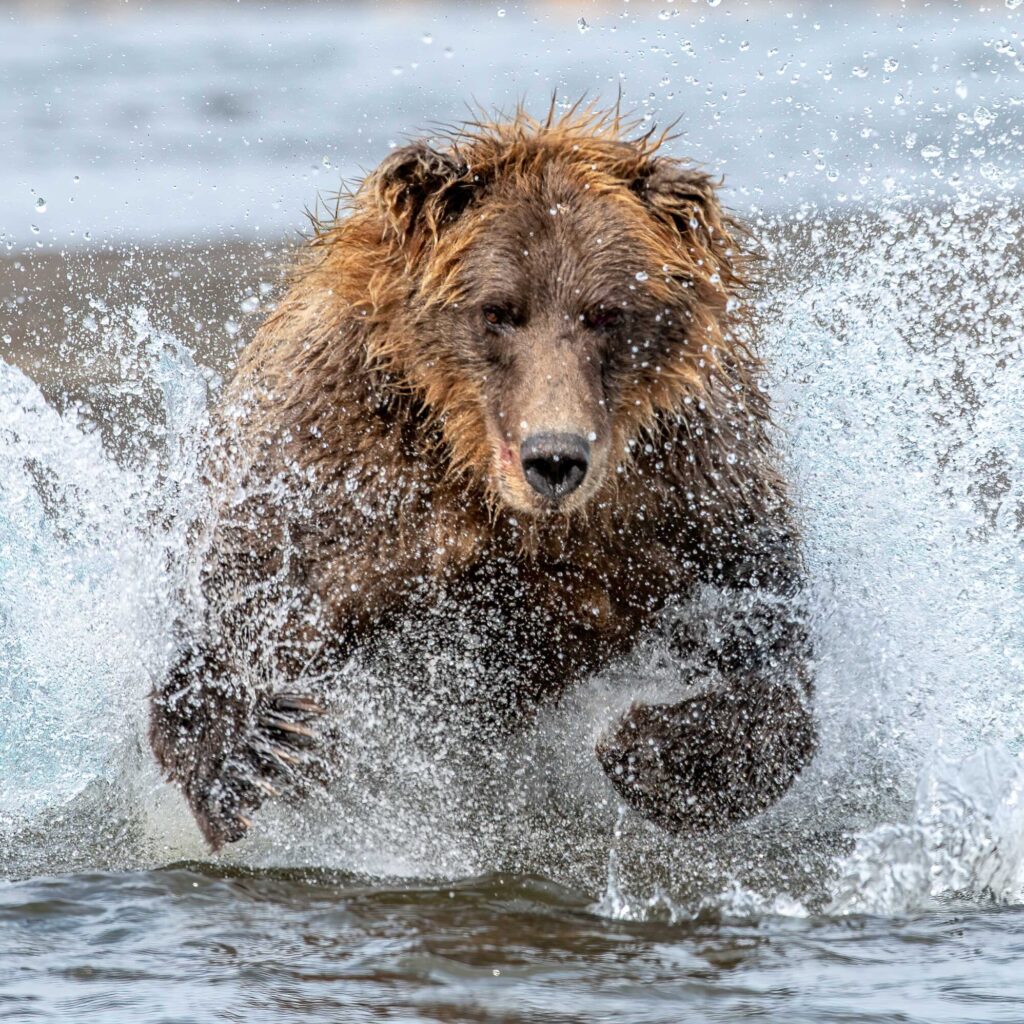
[
  {"x": 687, "y": 199},
  {"x": 420, "y": 189}
]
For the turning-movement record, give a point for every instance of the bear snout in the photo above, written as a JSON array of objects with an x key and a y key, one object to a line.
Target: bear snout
[{"x": 554, "y": 465}]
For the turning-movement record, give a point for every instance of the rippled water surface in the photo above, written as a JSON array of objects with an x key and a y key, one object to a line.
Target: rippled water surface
[
  {"x": 187, "y": 943},
  {"x": 878, "y": 155}
]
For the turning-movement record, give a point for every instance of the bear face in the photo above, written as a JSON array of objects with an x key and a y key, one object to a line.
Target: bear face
[{"x": 567, "y": 292}]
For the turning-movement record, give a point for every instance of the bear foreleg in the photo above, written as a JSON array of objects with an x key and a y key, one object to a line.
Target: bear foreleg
[{"x": 731, "y": 751}]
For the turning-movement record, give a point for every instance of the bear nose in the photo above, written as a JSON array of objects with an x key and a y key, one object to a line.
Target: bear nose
[{"x": 555, "y": 464}]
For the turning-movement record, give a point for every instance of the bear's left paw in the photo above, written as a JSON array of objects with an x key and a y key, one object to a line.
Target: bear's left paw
[{"x": 714, "y": 759}]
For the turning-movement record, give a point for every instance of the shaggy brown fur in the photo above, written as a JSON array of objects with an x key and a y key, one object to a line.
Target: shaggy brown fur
[{"x": 526, "y": 280}]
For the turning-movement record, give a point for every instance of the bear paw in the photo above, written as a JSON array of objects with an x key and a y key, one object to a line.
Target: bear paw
[
  {"x": 277, "y": 752},
  {"x": 717, "y": 758}
]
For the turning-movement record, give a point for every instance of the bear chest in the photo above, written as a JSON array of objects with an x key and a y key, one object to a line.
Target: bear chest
[{"x": 505, "y": 635}]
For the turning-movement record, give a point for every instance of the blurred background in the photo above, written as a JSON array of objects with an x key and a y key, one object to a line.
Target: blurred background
[
  {"x": 164, "y": 154},
  {"x": 209, "y": 121}
]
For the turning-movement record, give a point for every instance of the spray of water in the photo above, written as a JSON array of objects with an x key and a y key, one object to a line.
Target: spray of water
[{"x": 897, "y": 371}]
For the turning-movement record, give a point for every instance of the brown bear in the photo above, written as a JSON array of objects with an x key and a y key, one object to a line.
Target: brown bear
[{"x": 511, "y": 402}]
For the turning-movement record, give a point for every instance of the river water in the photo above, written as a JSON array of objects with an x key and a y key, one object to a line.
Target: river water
[{"x": 887, "y": 886}]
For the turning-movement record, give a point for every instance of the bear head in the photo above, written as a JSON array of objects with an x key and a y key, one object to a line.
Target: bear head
[{"x": 551, "y": 293}]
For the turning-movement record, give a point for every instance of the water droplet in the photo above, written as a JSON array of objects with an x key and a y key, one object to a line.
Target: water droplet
[
  {"x": 581, "y": 24},
  {"x": 641, "y": 275},
  {"x": 41, "y": 205},
  {"x": 76, "y": 179},
  {"x": 890, "y": 65},
  {"x": 35, "y": 229},
  {"x": 427, "y": 38},
  {"x": 961, "y": 90},
  {"x": 249, "y": 304},
  {"x": 501, "y": 12},
  {"x": 931, "y": 152},
  {"x": 449, "y": 52},
  {"x": 859, "y": 72},
  {"x": 714, "y": 3},
  {"x": 232, "y": 327},
  {"x": 983, "y": 117},
  {"x": 1014, "y": 4}
]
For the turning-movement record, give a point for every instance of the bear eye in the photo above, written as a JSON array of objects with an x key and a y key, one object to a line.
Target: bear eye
[
  {"x": 603, "y": 318},
  {"x": 499, "y": 316}
]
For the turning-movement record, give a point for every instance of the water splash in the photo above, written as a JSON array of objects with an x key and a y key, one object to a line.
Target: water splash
[
  {"x": 966, "y": 835},
  {"x": 86, "y": 578},
  {"x": 61, "y": 586},
  {"x": 897, "y": 371}
]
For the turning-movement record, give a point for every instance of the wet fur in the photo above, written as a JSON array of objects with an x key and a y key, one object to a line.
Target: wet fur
[{"x": 358, "y": 484}]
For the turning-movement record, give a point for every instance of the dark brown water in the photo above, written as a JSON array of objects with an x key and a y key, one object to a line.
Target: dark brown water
[{"x": 189, "y": 943}]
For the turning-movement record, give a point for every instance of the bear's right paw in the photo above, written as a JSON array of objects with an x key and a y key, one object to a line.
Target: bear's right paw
[{"x": 278, "y": 752}]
